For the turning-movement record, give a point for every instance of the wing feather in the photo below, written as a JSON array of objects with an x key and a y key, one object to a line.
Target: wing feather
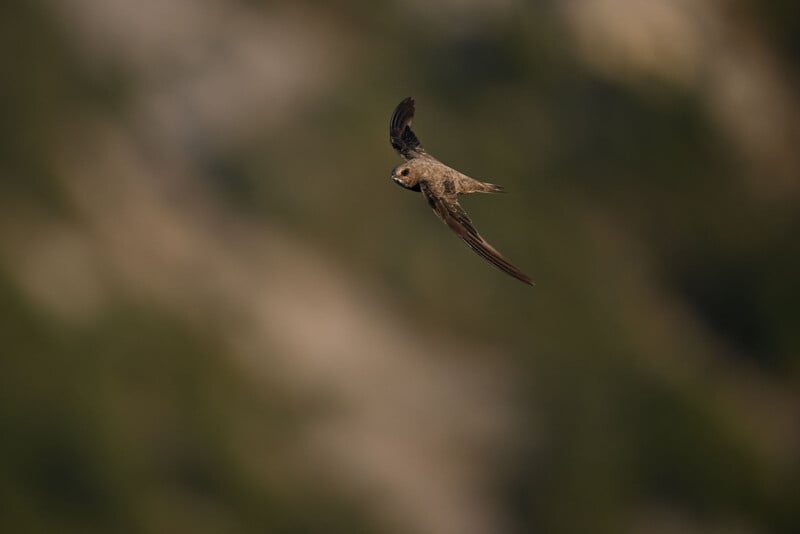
[
  {"x": 454, "y": 216},
  {"x": 400, "y": 134}
]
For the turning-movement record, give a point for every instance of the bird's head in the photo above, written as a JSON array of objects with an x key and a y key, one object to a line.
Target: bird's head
[{"x": 406, "y": 175}]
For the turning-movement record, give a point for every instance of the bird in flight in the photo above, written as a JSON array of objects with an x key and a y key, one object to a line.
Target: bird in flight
[{"x": 441, "y": 185}]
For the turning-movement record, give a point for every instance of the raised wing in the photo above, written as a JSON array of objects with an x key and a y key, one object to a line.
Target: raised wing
[
  {"x": 454, "y": 216},
  {"x": 400, "y": 135}
]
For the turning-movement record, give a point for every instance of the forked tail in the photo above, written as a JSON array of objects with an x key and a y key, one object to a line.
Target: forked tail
[{"x": 493, "y": 188}]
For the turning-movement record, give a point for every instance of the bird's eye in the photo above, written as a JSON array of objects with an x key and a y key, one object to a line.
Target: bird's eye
[{"x": 404, "y": 172}]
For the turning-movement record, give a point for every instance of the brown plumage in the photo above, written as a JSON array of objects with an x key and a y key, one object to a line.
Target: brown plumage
[{"x": 441, "y": 186}]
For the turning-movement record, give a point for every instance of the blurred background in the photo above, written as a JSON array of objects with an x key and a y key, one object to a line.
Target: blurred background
[{"x": 218, "y": 314}]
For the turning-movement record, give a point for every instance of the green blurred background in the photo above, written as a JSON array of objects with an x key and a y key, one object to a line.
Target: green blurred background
[{"x": 218, "y": 314}]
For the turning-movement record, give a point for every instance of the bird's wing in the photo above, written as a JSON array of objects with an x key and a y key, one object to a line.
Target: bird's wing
[
  {"x": 447, "y": 208},
  {"x": 400, "y": 135}
]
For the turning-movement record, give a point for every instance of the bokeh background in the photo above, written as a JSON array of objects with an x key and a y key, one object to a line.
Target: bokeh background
[{"x": 219, "y": 315}]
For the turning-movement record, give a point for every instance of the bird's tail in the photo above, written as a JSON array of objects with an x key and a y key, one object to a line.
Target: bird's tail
[
  {"x": 471, "y": 185},
  {"x": 492, "y": 188}
]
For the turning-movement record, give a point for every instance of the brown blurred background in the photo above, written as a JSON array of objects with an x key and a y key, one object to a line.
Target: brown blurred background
[{"x": 219, "y": 315}]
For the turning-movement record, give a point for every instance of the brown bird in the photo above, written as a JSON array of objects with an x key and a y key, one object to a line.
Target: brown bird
[{"x": 441, "y": 186}]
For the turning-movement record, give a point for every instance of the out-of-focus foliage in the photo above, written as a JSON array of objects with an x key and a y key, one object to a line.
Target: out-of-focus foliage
[{"x": 218, "y": 314}]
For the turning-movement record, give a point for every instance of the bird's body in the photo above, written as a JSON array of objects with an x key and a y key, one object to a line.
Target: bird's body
[{"x": 441, "y": 186}]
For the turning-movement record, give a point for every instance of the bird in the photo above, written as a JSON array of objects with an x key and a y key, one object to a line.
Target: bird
[{"x": 441, "y": 185}]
